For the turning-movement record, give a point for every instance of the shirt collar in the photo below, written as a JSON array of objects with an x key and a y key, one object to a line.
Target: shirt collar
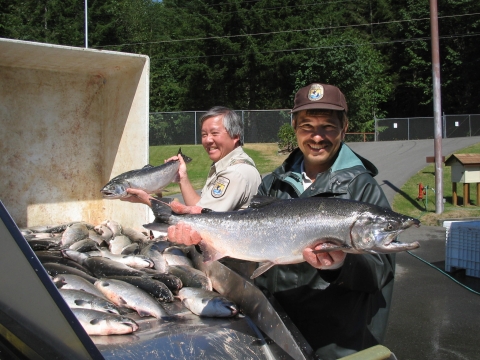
[
  {"x": 225, "y": 161},
  {"x": 306, "y": 181}
]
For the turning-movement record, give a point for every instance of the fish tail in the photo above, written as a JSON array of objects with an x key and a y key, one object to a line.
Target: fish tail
[{"x": 185, "y": 157}]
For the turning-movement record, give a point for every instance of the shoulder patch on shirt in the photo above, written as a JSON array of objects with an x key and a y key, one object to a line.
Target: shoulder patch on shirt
[{"x": 220, "y": 186}]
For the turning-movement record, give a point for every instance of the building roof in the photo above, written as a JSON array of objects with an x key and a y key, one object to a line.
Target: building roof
[{"x": 464, "y": 159}]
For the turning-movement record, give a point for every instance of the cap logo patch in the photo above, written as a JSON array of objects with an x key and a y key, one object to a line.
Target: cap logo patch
[
  {"x": 316, "y": 92},
  {"x": 220, "y": 186}
]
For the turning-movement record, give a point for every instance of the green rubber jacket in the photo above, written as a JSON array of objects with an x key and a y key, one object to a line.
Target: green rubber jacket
[{"x": 339, "y": 312}]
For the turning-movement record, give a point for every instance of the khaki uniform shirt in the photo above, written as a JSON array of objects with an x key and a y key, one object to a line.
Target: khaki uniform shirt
[{"x": 231, "y": 183}]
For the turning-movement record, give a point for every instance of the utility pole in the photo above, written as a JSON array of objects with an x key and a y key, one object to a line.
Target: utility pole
[
  {"x": 86, "y": 24},
  {"x": 437, "y": 107}
]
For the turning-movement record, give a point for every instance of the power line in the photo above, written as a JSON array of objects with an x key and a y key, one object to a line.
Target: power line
[
  {"x": 262, "y": 9},
  {"x": 323, "y": 47},
  {"x": 282, "y": 32},
  {"x": 226, "y": 3}
]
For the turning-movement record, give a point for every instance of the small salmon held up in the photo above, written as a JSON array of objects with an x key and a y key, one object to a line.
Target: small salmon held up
[{"x": 151, "y": 179}]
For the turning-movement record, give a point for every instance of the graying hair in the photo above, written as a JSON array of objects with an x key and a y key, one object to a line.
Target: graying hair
[{"x": 232, "y": 122}]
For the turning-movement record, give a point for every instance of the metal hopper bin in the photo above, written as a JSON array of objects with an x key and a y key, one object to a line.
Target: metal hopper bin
[{"x": 71, "y": 119}]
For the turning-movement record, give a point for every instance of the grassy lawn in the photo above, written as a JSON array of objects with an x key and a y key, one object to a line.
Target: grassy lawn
[
  {"x": 424, "y": 210},
  {"x": 264, "y": 155}
]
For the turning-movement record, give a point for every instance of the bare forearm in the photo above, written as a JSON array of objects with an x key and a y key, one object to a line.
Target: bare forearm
[{"x": 190, "y": 196}]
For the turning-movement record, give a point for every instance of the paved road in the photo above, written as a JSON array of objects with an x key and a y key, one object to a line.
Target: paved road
[
  {"x": 397, "y": 161},
  {"x": 432, "y": 317}
]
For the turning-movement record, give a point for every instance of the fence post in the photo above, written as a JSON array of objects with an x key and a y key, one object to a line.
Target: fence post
[
  {"x": 408, "y": 128},
  {"x": 470, "y": 129},
  {"x": 375, "y": 128},
  {"x": 444, "y": 118},
  {"x": 243, "y": 122}
]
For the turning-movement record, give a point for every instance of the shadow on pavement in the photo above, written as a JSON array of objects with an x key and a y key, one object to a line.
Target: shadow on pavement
[{"x": 413, "y": 201}]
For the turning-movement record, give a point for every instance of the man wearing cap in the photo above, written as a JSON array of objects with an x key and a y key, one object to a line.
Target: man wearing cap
[{"x": 338, "y": 301}]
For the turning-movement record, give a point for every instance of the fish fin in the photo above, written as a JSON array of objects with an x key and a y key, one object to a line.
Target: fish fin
[
  {"x": 148, "y": 166},
  {"x": 143, "y": 313},
  {"x": 259, "y": 201},
  {"x": 209, "y": 253},
  {"x": 131, "y": 249},
  {"x": 263, "y": 266},
  {"x": 328, "y": 246},
  {"x": 123, "y": 310},
  {"x": 121, "y": 301},
  {"x": 327, "y": 195},
  {"x": 155, "y": 226}
]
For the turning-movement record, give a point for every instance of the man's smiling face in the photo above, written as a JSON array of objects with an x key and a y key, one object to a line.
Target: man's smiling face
[
  {"x": 319, "y": 136},
  {"x": 216, "y": 140}
]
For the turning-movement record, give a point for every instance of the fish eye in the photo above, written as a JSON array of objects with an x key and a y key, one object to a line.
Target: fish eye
[{"x": 389, "y": 227}]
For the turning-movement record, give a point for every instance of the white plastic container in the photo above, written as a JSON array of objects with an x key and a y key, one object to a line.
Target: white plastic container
[{"x": 71, "y": 119}]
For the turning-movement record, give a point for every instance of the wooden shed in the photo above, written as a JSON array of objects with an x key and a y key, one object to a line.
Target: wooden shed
[{"x": 466, "y": 170}]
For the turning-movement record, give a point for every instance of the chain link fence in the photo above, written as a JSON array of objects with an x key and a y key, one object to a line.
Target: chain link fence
[
  {"x": 177, "y": 128},
  {"x": 423, "y": 127},
  {"x": 262, "y": 126}
]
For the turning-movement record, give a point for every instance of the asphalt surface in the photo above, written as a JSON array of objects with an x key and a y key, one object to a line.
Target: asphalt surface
[
  {"x": 432, "y": 316},
  {"x": 397, "y": 161}
]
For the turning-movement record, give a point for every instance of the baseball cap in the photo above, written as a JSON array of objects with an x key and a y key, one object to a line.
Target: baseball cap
[{"x": 319, "y": 96}]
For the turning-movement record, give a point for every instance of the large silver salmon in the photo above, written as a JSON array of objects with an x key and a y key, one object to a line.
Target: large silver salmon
[
  {"x": 274, "y": 231},
  {"x": 151, "y": 179}
]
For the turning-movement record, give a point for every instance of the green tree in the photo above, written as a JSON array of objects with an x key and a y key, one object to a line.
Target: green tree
[
  {"x": 411, "y": 58},
  {"x": 241, "y": 60},
  {"x": 49, "y": 21},
  {"x": 255, "y": 54},
  {"x": 350, "y": 62}
]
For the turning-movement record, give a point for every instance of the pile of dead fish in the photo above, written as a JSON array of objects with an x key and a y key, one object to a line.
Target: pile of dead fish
[{"x": 107, "y": 272}]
